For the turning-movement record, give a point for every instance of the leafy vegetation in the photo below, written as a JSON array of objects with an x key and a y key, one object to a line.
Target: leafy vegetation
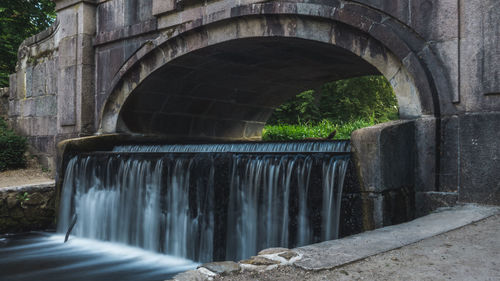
[
  {"x": 20, "y": 19},
  {"x": 308, "y": 130},
  {"x": 12, "y": 148},
  {"x": 343, "y": 106}
]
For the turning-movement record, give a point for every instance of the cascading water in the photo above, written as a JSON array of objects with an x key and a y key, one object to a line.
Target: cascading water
[{"x": 207, "y": 202}]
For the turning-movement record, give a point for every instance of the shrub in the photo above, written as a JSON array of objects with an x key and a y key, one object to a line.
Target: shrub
[
  {"x": 284, "y": 132},
  {"x": 12, "y": 148}
]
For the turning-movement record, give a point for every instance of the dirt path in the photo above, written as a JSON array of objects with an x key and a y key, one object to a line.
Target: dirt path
[
  {"x": 33, "y": 174},
  {"x": 469, "y": 253}
]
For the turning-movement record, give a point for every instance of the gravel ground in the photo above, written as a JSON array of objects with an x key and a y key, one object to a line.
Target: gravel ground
[
  {"x": 33, "y": 174},
  {"x": 469, "y": 253}
]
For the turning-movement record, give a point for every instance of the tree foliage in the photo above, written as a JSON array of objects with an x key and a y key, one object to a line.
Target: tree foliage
[
  {"x": 20, "y": 19},
  {"x": 368, "y": 98}
]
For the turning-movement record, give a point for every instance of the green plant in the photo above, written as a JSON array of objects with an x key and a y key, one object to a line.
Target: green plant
[
  {"x": 22, "y": 198},
  {"x": 322, "y": 129},
  {"x": 368, "y": 97},
  {"x": 12, "y": 148}
]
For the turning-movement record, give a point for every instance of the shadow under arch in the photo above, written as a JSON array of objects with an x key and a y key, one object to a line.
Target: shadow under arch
[{"x": 222, "y": 80}]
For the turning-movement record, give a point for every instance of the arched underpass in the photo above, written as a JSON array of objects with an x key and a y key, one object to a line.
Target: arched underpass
[
  {"x": 222, "y": 82},
  {"x": 230, "y": 89}
]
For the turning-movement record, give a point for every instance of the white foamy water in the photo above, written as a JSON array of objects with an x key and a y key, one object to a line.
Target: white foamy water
[{"x": 46, "y": 257}]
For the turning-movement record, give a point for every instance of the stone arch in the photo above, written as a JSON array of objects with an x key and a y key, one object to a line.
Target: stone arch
[{"x": 365, "y": 38}]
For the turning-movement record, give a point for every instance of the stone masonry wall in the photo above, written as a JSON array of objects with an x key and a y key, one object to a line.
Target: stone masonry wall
[
  {"x": 27, "y": 208},
  {"x": 33, "y": 95},
  {"x": 64, "y": 74}
]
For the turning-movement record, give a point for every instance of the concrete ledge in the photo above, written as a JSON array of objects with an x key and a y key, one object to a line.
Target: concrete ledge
[
  {"x": 335, "y": 253},
  {"x": 29, "y": 187}
]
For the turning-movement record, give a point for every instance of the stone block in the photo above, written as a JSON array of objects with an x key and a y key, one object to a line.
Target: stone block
[
  {"x": 425, "y": 167},
  {"x": 46, "y": 106},
  {"x": 385, "y": 156},
  {"x": 480, "y": 158},
  {"x": 24, "y": 126},
  {"x": 66, "y": 98},
  {"x": 398, "y": 9},
  {"x": 435, "y": 20},
  {"x": 28, "y": 107},
  {"x": 104, "y": 74},
  {"x": 51, "y": 79},
  {"x": 68, "y": 23},
  {"x": 14, "y": 108},
  {"x": 29, "y": 82},
  {"x": 427, "y": 202},
  {"x": 85, "y": 50},
  {"x": 39, "y": 77},
  {"x": 85, "y": 103},
  {"x": 449, "y": 165},
  {"x": 68, "y": 51},
  {"x": 44, "y": 144},
  {"x": 448, "y": 54},
  {"x": 116, "y": 60},
  {"x": 111, "y": 15},
  {"x": 480, "y": 55}
]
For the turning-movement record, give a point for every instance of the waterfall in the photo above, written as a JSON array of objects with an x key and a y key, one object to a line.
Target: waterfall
[{"x": 207, "y": 202}]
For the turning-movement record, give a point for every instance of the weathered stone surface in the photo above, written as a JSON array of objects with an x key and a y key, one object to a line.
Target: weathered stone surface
[
  {"x": 27, "y": 208},
  {"x": 384, "y": 155},
  {"x": 288, "y": 255},
  {"x": 222, "y": 267},
  {"x": 271, "y": 251},
  {"x": 449, "y": 161},
  {"x": 480, "y": 55},
  {"x": 258, "y": 260},
  {"x": 427, "y": 202},
  {"x": 480, "y": 158},
  {"x": 425, "y": 166},
  {"x": 191, "y": 275}
]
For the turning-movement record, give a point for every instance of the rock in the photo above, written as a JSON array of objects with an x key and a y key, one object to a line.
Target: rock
[
  {"x": 191, "y": 275},
  {"x": 258, "y": 260},
  {"x": 270, "y": 251},
  {"x": 11, "y": 200},
  {"x": 288, "y": 255},
  {"x": 221, "y": 267}
]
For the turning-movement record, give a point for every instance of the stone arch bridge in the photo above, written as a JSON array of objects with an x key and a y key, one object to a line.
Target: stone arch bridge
[{"x": 215, "y": 69}]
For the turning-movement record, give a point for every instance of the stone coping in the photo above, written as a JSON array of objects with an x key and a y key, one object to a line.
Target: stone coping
[
  {"x": 335, "y": 253},
  {"x": 27, "y": 187}
]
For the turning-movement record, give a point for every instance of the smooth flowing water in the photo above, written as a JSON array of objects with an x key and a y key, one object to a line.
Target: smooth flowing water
[
  {"x": 207, "y": 202},
  {"x": 44, "y": 256}
]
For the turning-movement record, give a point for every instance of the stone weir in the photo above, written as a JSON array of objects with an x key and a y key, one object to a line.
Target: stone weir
[{"x": 210, "y": 202}]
